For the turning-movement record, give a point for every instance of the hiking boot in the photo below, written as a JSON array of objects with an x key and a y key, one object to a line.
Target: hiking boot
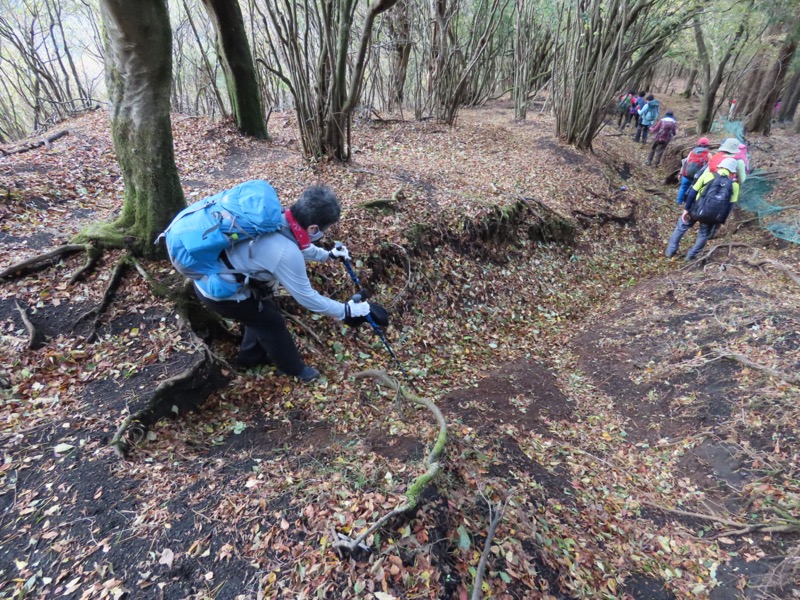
[
  {"x": 307, "y": 375},
  {"x": 246, "y": 365}
]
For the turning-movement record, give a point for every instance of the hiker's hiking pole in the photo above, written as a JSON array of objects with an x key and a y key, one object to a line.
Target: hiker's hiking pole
[{"x": 361, "y": 296}]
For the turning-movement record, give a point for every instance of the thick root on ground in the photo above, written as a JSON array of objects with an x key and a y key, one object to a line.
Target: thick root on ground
[
  {"x": 120, "y": 269},
  {"x": 181, "y": 393},
  {"x": 40, "y": 261},
  {"x": 346, "y": 545}
]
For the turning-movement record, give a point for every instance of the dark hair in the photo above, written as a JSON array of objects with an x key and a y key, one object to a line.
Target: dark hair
[
  {"x": 651, "y": 97},
  {"x": 641, "y": 94},
  {"x": 317, "y": 206},
  {"x": 632, "y": 92},
  {"x": 670, "y": 115}
]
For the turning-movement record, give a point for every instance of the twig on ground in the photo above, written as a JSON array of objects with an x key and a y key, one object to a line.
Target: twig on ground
[
  {"x": 35, "y": 337},
  {"x": 707, "y": 256},
  {"x": 495, "y": 516},
  {"x": 304, "y": 327},
  {"x": 345, "y": 544}
]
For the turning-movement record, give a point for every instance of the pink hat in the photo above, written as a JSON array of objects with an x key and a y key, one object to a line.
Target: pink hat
[{"x": 703, "y": 141}]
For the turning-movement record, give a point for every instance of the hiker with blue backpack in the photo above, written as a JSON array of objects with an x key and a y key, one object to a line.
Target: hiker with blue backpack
[
  {"x": 709, "y": 203},
  {"x": 648, "y": 115},
  {"x": 239, "y": 246}
]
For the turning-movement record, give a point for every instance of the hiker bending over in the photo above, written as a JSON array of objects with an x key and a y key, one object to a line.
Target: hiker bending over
[
  {"x": 648, "y": 115},
  {"x": 709, "y": 202},
  {"x": 692, "y": 165},
  {"x": 262, "y": 248},
  {"x": 664, "y": 131}
]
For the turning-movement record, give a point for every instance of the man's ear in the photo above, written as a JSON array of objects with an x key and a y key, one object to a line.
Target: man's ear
[{"x": 313, "y": 229}]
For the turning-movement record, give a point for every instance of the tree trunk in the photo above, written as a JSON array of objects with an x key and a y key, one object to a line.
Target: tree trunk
[
  {"x": 760, "y": 120},
  {"x": 138, "y": 74},
  {"x": 791, "y": 98},
  {"x": 237, "y": 64},
  {"x": 400, "y": 35},
  {"x": 689, "y": 90}
]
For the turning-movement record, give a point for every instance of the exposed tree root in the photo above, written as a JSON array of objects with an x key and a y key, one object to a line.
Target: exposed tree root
[
  {"x": 35, "y": 337},
  {"x": 21, "y": 268},
  {"x": 586, "y": 219},
  {"x": 346, "y": 545},
  {"x": 121, "y": 267},
  {"x": 185, "y": 391},
  {"x": 93, "y": 255},
  {"x": 495, "y": 516},
  {"x": 743, "y": 360},
  {"x": 47, "y": 142}
]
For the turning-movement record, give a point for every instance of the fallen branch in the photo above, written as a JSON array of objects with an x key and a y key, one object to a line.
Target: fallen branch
[
  {"x": 47, "y": 142},
  {"x": 776, "y": 265},
  {"x": 304, "y": 327},
  {"x": 713, "y": 250},
  {"x": 35, "y": 337},
  {"x": 741, "y": 359},
  {"x": 741, "y": 528},
  {"x": 345, "y": 544},
  {"x": 495, "y": 516},
  {"x": 39, "y": 258}
]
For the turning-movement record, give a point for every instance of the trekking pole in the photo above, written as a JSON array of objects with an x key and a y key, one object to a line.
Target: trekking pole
[{"x": 361, "y": 296}]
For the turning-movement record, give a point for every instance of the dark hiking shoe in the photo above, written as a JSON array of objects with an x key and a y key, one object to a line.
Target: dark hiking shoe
[
  {"x": 246, "y": 365},
  {"x": 307, "y": 375}
]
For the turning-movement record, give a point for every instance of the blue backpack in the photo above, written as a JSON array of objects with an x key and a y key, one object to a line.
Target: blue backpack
[{"x": 200, "y": 233}]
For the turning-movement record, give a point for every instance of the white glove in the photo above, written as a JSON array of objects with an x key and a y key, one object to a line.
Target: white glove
[
  {"x": 356, "y": 309},
  {"x": 340, "y": 251}
]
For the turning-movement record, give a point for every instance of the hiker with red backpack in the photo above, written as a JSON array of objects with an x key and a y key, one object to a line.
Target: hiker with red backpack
[
  {"x": 709, "y": 203},
  {"x": 730, "y": 148},
  {"x": 239, "y": 246},
  {"x": 633, "y": 111},
  {"x": 692, "y": 165},
  {"x": 664, "y": 131}
]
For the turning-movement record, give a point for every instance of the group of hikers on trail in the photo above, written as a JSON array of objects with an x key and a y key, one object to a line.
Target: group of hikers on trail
[
  {"x": 709, "y": 187},
  {"x": 644, "y": 111}
]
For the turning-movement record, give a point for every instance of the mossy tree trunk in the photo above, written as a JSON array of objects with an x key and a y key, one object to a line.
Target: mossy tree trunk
[
  {"x": 238, "y": 66},
  {"x": 138, "y": 75}
]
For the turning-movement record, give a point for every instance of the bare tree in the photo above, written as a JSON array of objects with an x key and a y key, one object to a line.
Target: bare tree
[
  {"x": 312, "y": 41},
  {"x": 533, "y": 50},
  {"x": 600, "y": 45},
  {"x": 138, "y": 71},
  {"x": 399, "y": 26},
  {"x": 237, "y": 61},
  {"x": 711, "y": 83}
]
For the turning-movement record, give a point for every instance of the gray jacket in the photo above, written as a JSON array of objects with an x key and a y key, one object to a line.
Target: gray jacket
[{"x": 276, "y": 260}]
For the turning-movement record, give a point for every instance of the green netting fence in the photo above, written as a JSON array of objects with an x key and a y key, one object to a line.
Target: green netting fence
[{"x": 782, "y": 221}]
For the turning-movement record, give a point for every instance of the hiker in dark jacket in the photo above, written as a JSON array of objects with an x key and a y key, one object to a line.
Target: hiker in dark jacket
[
  {"x": 663, "y": 131},
  {"x": 727, "y": 169},
  {"x": 692, "y": 166},
  {"x": 625, "y": 104},
  {"x": 635, "y": 108},
  {"x": 648, "y": 115}
]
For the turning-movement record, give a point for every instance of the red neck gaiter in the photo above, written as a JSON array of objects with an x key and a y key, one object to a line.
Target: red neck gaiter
[{"x": 300, "y": 234}]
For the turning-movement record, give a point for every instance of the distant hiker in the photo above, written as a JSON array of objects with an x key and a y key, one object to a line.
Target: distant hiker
[
  {"x": 729, "y": 148},
  {"x": 648, "y": 115},
  {"x": 262, "y": 248},
  {"x": 732, "y": 109},
  {"x": 709, "y": 202},
  {"x": 664, "y": 131},
  {"x": 624, "y": 105},
  {"x": 692, "y": 166},
  {"x": 634, "y": 112}
]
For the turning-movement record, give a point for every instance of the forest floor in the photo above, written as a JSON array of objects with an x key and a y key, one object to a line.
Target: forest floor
[{"x": 594, "y": 388}]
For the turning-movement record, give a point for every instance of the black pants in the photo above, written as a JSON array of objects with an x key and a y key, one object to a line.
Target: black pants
[
  {"x": 641, "y": 133},
  {"x": 266, "y": 337}
]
